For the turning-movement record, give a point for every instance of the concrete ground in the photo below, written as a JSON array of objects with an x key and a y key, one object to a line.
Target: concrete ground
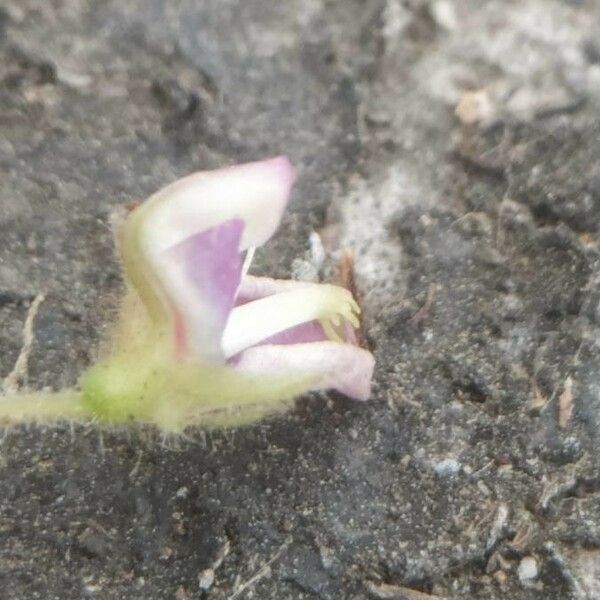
[{"x": 455, "y": 148}]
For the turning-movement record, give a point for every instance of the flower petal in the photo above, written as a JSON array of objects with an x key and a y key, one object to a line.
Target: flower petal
[
  {"x": 257, "y": 321},
  {"x": 200, "y": 276},
  {"x": 255, "y": 192},
  {"x": 300, "y": 334},
  {"x": 253, "y": 288},
  {"x": 345, "y": 368},
  {"x": 155, "y": 252}
]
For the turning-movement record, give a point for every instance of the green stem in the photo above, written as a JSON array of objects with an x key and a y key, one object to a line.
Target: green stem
[{"x": 42, "y": 407}]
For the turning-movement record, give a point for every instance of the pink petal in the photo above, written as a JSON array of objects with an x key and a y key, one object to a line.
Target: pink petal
[
  {"x": 202, "y": 275},
  {"x": 342, "y": 367},
  {"x": 307, "y": 332},
  {"x": 255, "y": 192},
  {"x": 192, "y": 262},
  {"x": 310, "y": 332}
]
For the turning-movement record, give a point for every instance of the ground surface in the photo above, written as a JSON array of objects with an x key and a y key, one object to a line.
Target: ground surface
[{"x": 476, "y": 238}]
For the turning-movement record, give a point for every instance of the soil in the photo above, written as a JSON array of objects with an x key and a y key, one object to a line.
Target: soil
[{"x": 473, "y": 471}]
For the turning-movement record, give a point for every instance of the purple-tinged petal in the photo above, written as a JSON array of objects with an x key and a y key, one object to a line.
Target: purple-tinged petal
[
  {"x": 200, "y": 277},
  {"x": 310, "y": 332},
  {"x": 342, "y": 367},
  {"x": 256, "y": 193},
  {"x": 305, "y": 333}
]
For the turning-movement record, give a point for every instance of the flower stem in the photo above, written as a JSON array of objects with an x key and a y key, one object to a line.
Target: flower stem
[{"x": 42, "y": 407}]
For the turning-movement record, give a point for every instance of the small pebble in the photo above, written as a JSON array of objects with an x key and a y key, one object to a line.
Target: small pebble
[
  {"x": 206, "y": 579},
  {"x": 528, "y": 569},
  {"x": 444, "y": 14},
  {"x": 475, "y": 107},
  {"x": 500, "y": 577},
  {"x": 447, "y": 467},
  {"x": 182, "y": 492},
  {"x": 181, "y": 593},
  {"x": 327, "y": 557},
  {"x": 484, "y": 489}
]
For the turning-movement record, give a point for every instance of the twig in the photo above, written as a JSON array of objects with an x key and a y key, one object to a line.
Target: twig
[
  {"x": 347, "y": 280},
  {"x": 423, "y": 313},
  {"x": 556, "y": 488},
  {"x": 476, "y": 474},
  {"x": 565, "y": 404},
  {"x": 537, "y": 399},
  {"x": 19, "y": 372},
  {"x": 346, "y": 272},
  {"x": 207, "y": 576},
  {"x": 384, "y": 591},
  {"x": 262, "y": 572},
  {"x": 221, "y": 555},
  {"x": 571, "y": 368},
  {"x": 136, "y": 467},
  {"x": 522, "y": 538},
  {"x": 497, "y": 528}
]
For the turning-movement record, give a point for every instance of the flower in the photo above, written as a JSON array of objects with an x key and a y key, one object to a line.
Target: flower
[{"x": 199, "y": 340}]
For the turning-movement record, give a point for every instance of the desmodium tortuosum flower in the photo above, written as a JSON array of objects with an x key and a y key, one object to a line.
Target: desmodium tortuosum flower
[{"x": 199, "y": 341}]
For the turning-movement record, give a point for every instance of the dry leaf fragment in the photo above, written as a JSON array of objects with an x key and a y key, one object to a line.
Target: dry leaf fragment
[
  {"x": 565, "y": 404},
  {"x": 537, "y": 399},
  {"x": 385, "y": 591},
  {"x": 346, "y": 280},
  {"x": 475, "y": 107}
]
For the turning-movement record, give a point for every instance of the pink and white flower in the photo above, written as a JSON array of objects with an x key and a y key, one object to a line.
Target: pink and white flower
[
  {"x": 189, "y": 239},
  {"x": 202, "y": 342}
]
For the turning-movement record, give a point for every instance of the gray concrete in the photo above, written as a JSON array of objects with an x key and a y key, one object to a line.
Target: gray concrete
[{"x": 476, "y": 242}]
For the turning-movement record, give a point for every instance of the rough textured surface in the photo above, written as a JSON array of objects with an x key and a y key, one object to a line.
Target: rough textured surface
[{"x": 476, "y": 237}]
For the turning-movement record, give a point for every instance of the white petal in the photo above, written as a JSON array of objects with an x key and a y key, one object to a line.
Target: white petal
[
  {"x": 256, "y": 192},
  {"x": 258, "y": 320}
]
